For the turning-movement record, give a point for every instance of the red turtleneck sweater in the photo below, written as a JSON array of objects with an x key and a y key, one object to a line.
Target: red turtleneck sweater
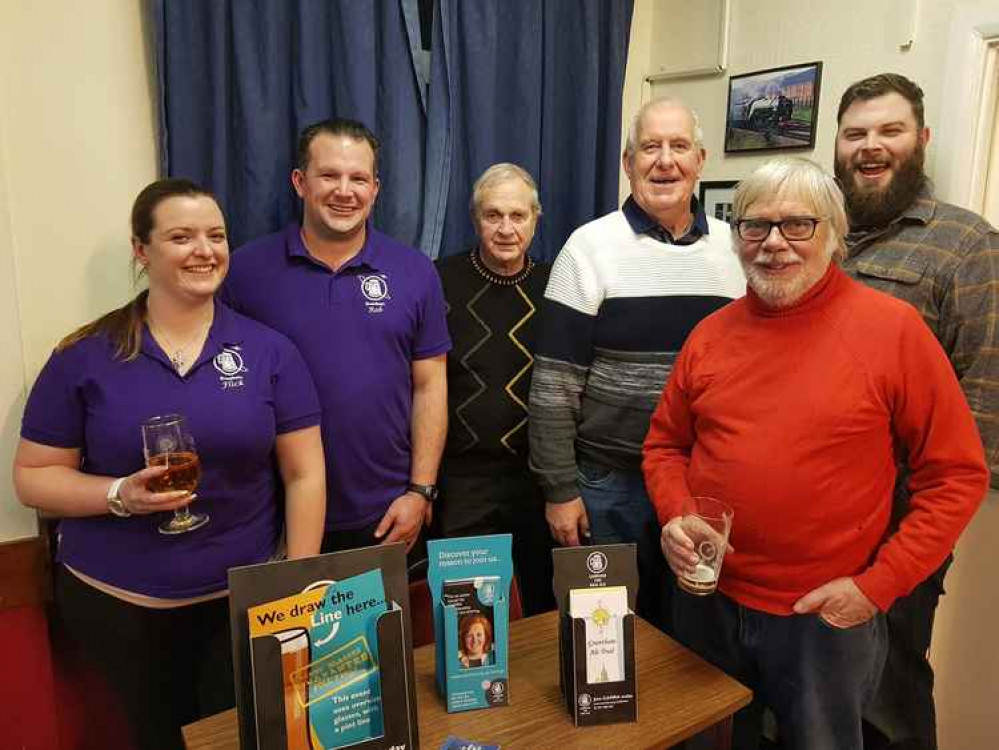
[{"x": 794, "y": 416}]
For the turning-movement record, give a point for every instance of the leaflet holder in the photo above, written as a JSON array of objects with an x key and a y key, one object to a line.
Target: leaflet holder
[
  {"x": 473, "y": 573},
  {"x": 595, "y": 567},
  {"x": 256, "y": 584}
]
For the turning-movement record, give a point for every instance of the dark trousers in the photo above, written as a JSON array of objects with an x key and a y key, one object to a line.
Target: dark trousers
[
  {"x": 902, "y": 714},
  {"x": 165, "y": 667},
  {"x": 503, "y": 502},
  {"x": 339, "y": 540},
  {"x": 619, "y": 510},
  {"x": 815, "y": 678}
]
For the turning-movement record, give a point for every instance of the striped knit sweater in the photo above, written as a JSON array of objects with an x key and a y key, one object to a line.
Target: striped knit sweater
[{"x": 618, "y": 307}]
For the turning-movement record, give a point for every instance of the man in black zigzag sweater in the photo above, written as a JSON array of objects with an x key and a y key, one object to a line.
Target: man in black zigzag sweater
[
  {"x": 493, "y": 294},
  {"x": 624, "y": 292}
]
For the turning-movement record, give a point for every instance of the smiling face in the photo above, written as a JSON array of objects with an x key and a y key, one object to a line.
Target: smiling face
[
  {"x": 505, "y": 221},
  {"x": 665, "y": 165},
  {"x": 338, "y": 188},
  {"x": 780, "y": 271},
  {"x": 475, "y": 641},
  {"x": 879, "y": 158},
  {"x": 187, "y": 252}
]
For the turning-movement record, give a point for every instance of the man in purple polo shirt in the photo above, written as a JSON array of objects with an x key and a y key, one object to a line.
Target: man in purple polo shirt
[{"x": 368, "y": 315}]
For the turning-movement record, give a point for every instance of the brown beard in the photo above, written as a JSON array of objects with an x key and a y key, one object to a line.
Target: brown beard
[{"x": 876, "y": 208}]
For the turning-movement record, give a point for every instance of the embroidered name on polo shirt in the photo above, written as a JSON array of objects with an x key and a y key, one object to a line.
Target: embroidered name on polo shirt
[
  {"x": 376, "y": 292},
  {"x": 229, "y": 363}
]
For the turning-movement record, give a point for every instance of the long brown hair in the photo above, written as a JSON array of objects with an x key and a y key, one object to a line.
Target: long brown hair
[{"x": 123, "y": 326}]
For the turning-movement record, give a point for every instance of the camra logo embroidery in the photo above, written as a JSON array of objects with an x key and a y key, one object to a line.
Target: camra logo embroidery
[
  {"x": 596, "y": 562},
  {"x": 376, "y": 292},
  {"x": 229, "y": 364}
]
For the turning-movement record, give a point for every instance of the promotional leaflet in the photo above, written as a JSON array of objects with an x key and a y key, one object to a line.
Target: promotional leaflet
[
  {"x": 329, "y": 659},
  {"x": 603, "y": 611}
]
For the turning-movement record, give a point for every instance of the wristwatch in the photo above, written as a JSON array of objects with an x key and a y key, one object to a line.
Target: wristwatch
[
  {"x": 115, "y": 505},
  {"x": 429, "y": 491}
]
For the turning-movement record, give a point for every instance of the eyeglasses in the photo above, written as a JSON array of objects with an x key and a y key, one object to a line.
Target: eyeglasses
[{"x": 792, "y": 228}]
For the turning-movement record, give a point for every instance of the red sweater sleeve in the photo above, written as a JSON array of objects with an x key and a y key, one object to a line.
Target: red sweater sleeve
[
  {"x": 666, "y": 452},
  {"x": 948, "y": 475}
]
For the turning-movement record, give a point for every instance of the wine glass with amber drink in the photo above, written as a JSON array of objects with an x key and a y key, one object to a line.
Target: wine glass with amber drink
[{"x": 167, "y": 442}]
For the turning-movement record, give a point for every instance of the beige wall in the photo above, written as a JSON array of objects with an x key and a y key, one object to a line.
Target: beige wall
[{"x": 76, "y": 145}]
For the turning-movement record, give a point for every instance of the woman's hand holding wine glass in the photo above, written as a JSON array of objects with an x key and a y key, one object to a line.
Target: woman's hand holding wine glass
[{"x": 139, "y": 499}]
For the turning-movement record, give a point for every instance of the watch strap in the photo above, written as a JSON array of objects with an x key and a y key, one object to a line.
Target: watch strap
[
  {"x": 115, "y": 505},
  {"x": 428, "y": 491}
]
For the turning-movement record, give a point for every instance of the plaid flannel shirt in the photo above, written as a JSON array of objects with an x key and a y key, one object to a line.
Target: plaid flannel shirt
[{"x": 944, "y": 260}]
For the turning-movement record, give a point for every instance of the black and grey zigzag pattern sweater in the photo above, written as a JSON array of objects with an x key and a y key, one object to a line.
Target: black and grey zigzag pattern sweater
[
  {"x": 492, "y": 320},
  {"x": 618, "y": 307}
]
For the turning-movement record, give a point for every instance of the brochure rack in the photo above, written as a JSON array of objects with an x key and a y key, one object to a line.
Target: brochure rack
[
  {"x": 595, "y": 567},
  {"x": 469, "y": 581},
  {"x": 260, "y": 693}
]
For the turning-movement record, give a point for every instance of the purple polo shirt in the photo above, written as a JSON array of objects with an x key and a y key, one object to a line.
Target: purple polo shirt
[
  {"x": 359, "y": 329},
  {"x": 249, "y": 385}
]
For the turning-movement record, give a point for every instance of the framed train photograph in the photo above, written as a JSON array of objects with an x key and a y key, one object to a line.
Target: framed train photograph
[{"x": 775, "y": 109}]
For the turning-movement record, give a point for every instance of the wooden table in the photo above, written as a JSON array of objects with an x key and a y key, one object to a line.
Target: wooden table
[{"x": 679, "y": 695}]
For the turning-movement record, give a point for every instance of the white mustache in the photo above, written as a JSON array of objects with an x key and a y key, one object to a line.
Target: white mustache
[{"x": 781, "y": 257}]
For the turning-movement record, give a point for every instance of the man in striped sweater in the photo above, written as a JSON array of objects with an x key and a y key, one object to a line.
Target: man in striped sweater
[{"x": 624, "y": 292}]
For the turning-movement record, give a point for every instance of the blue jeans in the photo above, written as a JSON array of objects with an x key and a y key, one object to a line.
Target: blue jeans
[
  {"x": 815, "y": 678},
  {"x": 620, "y": 511}
]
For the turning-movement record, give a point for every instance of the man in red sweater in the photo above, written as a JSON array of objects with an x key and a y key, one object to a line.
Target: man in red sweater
[{"x": 792, "y": 405}]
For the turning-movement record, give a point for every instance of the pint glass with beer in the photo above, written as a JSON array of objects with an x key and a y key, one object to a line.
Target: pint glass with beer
[{"x": 708, "y": 522}]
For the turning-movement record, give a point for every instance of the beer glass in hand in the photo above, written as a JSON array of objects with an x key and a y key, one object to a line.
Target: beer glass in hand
[{"x": 166, "y": 442}]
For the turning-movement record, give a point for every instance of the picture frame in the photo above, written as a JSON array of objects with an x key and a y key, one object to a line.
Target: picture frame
[
  {"x": 716, "y": 198},
  {"x": 774, "y": 109}
]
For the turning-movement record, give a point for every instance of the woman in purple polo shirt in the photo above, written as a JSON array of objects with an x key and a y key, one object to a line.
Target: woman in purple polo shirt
[{"x": 149, "y": 611}]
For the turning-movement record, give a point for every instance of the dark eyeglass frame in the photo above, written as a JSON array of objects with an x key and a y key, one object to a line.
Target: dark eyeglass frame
[{"x": 814, "y": 221}]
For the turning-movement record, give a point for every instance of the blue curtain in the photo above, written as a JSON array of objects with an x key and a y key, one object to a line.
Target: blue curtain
[
  {"x": 240, "y": 78},
  {"x": 537, "y": 83}
]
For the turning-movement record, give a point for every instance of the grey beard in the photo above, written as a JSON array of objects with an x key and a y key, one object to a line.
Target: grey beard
[{"x": 877, "y": 208}]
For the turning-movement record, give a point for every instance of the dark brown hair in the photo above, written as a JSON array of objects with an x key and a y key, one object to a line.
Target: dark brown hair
[
  {"x": 879, "y": 85},
  {"x": 123, "y": 326},
  {"x": 344, "y": 126}
]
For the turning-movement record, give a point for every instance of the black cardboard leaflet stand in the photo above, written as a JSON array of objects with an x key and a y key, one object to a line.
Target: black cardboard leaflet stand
[
  {"x": 257, "y": 584},
  {"x": 596, "y": 566}
]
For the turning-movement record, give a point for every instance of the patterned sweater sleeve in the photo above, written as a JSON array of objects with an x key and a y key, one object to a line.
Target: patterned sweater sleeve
[{"x": 562, "y": 361}]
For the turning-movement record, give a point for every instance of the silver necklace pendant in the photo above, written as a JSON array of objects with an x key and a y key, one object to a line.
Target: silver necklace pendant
[{"x": 178, "y": 360}]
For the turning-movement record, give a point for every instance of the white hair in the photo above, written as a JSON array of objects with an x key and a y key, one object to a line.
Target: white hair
[
  {"x": 663, "y": 101},
  {"x": 796, "y": 178},
  {"x": 499, "y": 173}
]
